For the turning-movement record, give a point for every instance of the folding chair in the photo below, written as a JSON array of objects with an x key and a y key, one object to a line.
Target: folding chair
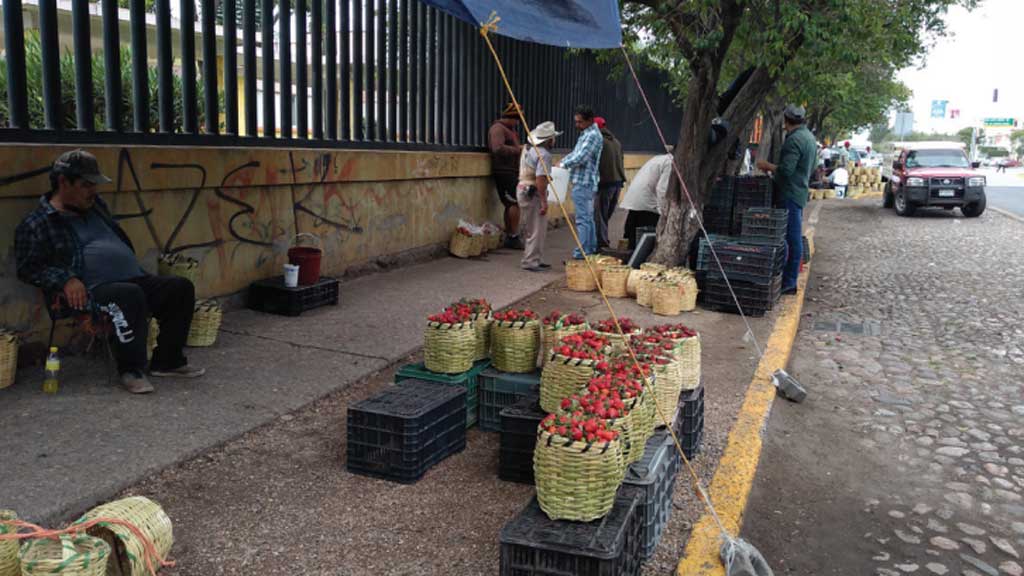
[{"x": 92, "y": 322}]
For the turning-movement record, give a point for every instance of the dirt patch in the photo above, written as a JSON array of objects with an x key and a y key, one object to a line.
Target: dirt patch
[{"x": 280, "y": 501}]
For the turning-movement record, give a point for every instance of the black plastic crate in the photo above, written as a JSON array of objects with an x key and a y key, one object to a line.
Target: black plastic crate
[
  {"x": 765, "y": 224},
  {"x": 655, "y": 474},
  {"x": 753, "y": 189},
  {"x": 722, "y": 193},
  {"x": 403, "y": 431},
  {"x": 748, "y": 293},
  {"x": 500, "y": 389},
  {"x": 805, "y": 254},
  {"x": 717, "y": 220},
  {"x": 690, "y": 426},
  {"x": 468, "y": 380},
  {"x": 532, "y": 544},
  {"x": 518, "y": 438},
  {"x": 691, "y": 404},
  {"x": 692, "y": 444},
  {"x": 748, "y": 262},
  {"x": 271, "y": 295}
]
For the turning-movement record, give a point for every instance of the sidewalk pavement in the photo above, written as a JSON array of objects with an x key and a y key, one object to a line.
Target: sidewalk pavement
[{"x": 62, "y": 454}]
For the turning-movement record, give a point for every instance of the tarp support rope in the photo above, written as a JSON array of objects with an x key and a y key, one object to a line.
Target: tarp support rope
[{"x": 485, "y": 30}]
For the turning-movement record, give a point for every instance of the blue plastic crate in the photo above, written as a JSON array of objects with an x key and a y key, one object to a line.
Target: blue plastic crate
[
  {"x": 500, "y": 389},
  {"x": 468, "y": 380}
]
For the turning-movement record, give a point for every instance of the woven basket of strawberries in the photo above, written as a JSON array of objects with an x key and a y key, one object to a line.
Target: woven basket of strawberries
[
  {"x": 652, "y": 348},
  {"x": 608, "y": 329},
  {"x": 556, "y": 326},
  {"x": 687, "y": 351},
  {"x": 635, "y": 384},
  {"x": 465, "y": 244},
  {"x": 577, "y": 466},
  {"x": 480, "y": 314},
  {"x": 515, "y": 339},
  {"x": 569, "y": 366},
  {"x": 449, "y": 341}
]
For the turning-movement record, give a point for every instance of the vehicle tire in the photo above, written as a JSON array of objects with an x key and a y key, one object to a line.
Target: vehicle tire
[
  {"x": 887, "y": 200},
  {"x": 974, "y": 209},
  {"x": 903, "y": 207}
]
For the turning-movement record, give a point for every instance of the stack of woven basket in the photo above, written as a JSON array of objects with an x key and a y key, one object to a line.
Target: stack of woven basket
[
  {"x": 178, "y": 265},
  {"x": 206, "y": 319},
  {"x": 8, "y": 358}
]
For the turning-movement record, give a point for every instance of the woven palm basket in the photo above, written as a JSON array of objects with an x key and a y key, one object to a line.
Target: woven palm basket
[
  {"x": 578, "y": 277},
  {"x": 449, "y": 348},
  {"x": 551, "y": 335},
  {"x": 178, "y": 265},
  {"x": 482, "y": 329},
  {"x": 601, "y": 261},
  {"x": 687, "y": 352},
  {"x": 462, "y": 246},
  {"x": 576, "y": 480},
  {"x": 652, "y": 267},
  {"x": 8, "y": 360},
  {"x": 79, "y": 555},
  {"x": 206, "y": 321},
  {"x": 645, "y": 288},
  {"x": 492, "y": 241},
  {"x": 151, "y": 338},
  {"x": 667, "y": 298},
  {"x": 668, "y": 389},
  {"x": 633, "y": 282},
  {"x": 562, "y": 377},
  {"x": 514, "y": 345},
  {"x": 618, "y": 343},
  {"x": 127, "y": 552},
  {"x": 9, "y": 564},
  {"x": 688, "y": 282},
  {"x": 614, "y": 280}
]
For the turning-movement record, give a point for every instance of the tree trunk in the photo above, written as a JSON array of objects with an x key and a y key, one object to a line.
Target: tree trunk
[
  {"x": 733, "y": 165},
  {"x": 770, "y": 147}
]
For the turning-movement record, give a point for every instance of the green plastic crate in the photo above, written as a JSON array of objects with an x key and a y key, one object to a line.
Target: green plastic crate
[
  {"x": 469, "y": 380},
  {"x": 500, "y": 389}
]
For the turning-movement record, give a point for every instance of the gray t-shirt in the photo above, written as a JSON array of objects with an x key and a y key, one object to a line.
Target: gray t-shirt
[
  {"x": 532, "y": 158},
  {"x": 107, "y": 257}
]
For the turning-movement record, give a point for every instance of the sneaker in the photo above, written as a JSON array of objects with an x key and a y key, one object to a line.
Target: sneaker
[
  {"x": 185, "y": 371},
  {"x": 788, "y": 291},
  {"x": 136, "y": 383},
  {"x": 532, "y": 268},
  {"x": 514, "y": 243},
  {"x": 544, "y": 266}
]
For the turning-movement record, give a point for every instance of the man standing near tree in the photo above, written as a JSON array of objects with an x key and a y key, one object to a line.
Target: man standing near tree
[
  {"x": 503, "y": 141},
  {"x": 584, "y": 162},
  {"x": 612, "y": 172},
  {"x": 792, "y": 176}
]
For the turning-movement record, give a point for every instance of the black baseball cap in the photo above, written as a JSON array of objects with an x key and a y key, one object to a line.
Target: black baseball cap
[{"x": 80, "y": 164}]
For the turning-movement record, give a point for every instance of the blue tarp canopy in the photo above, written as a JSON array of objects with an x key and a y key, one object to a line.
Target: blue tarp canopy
[{"x": 565, "y": 23}]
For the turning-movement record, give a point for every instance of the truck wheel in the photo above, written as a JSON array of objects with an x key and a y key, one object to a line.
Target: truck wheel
[
  {"x": 974, "y": 209},
  {"x": 887, "y": 200},
  {"x": 903, "y": 207}
]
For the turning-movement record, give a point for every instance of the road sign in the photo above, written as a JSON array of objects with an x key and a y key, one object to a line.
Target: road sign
[
  {"x": 939, "y": 108},
  {"x": 999, "y": 122},
  {"x": 904, "y": 123}
]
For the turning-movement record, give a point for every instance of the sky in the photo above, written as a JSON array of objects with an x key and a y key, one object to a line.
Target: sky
[{"x": 983, "y": 53}]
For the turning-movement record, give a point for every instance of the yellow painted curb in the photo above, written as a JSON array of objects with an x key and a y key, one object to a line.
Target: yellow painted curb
[{"x": 734, "y": 477}]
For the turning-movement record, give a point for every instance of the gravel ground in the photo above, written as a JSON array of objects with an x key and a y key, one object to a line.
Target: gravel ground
[{"x": 278, "y": 500}]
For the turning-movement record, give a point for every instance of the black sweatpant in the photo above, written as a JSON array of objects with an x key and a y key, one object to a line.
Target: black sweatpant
[
  {"x": 638, "y": 219},
  {"x": 170, "y": 299}
]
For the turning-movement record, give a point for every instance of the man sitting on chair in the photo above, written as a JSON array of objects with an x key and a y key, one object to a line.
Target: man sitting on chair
[{"x": 71, "y": 248}]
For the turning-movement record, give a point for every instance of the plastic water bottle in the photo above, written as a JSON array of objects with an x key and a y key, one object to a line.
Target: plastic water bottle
[{"x": 50, "y": 384}]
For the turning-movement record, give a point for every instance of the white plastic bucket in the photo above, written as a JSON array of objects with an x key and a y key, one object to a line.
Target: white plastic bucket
[{"x": 559, "y": 184}]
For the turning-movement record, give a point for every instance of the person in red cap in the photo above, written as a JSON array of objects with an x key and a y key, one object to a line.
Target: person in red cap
[{"x": 612, "y": 176}]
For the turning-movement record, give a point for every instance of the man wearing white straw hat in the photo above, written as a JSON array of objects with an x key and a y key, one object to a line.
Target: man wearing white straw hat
[{"x": 532, "y": 194}]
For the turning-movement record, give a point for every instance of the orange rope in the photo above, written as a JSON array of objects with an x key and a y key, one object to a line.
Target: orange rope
[{"x": 35, "y": 532}]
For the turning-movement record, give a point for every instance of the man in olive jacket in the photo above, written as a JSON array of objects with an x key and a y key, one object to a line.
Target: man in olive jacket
[
  {"x": 792, "y": 176},
  {"x": 612, "y": 177}
]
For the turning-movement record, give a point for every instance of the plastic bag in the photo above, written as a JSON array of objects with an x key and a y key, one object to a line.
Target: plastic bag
[
  {"x": 473, "y": 229},
  {"x": 742, "y": 559}
]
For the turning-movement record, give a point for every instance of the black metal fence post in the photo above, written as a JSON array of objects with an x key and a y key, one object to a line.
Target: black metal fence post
[
  {"x": 345, "y": 71},
  {"x": 111, "y": 61},
  {"x": 140, "y": 69},
  {"x": 404, "y": 36},
  {"x": 209, "y": 17},
  {"x": 316, "y": 53},
  {"x": 371, "y": 71},
  {"x": 14, "y": 45},
  {"x": 330, "y": 22},
  {"x": 382, "y": 71},
  {"x": 267, "y": 56},
  {"x": 230, "y": 68},
  {"x": 52, "y": 102},
  {"x": 285, "y": 57},
  {"x": 358, "y": 97},
  {"x": 249, "y": 64},
  {"x": 301, "y": 73},
  {"x": 164, "y": 62},
  {"x": 81, "y": 40},
  {"x": 187, "y": 13},
  {"x": 392, "y": 100}
]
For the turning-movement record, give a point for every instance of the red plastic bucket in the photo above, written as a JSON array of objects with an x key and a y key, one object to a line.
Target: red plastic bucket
[{"x": 307, "y": 258}]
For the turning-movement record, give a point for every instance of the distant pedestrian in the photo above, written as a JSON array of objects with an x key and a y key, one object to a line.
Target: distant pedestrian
[
  {"x": 503, "y": 141},
  {"x": 583, "y": 162},
  {"x": 532, "y": 194},
  {"x": 612, "y": 172},
  {"x": 1001, "y": 166},
  {"x": 844, "y": 155},
  {"x": 645, "y": 197},
  {"x": 792, "y": 175}
]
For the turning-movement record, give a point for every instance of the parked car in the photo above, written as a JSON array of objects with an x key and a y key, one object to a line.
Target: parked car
[{"x": 928, "y": 175}]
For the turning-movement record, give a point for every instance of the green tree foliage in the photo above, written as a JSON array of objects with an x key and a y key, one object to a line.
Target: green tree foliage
[
  {"x": 1017, "y": 138},
  {"x": 34, "y": 74}
]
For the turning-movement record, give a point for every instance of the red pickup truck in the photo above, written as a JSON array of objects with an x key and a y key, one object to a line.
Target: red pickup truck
[{"x": 935, "y": 175}]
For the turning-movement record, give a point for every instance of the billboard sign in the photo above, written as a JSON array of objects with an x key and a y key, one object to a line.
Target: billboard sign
[{"x": 939, "y": 108}]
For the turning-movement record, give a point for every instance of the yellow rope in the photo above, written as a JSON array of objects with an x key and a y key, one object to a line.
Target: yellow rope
[{"x": 485, "y": 30}]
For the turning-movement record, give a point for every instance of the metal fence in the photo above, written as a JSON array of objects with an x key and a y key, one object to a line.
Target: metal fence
[{"x": 312, "y": 73}]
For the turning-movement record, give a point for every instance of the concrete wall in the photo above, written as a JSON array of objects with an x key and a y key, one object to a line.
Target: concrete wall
[{"x": 236, "y": 210}]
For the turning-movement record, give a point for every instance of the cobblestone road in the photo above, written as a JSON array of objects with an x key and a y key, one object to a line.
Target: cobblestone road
[{"x": 907, "y": 457}]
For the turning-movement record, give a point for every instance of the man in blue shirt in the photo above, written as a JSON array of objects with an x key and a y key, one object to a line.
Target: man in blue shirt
[
  {"x": 584, "y": 163},
  {"x": 72, "y": 249}
]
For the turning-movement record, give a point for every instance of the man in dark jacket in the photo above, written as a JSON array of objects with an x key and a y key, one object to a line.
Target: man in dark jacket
[
  {"x": 613, "y": 176},
  {"x": 72, "y": 249},
  {"x": 792, "y": 177},
  {"x": 503, "y": 141}
]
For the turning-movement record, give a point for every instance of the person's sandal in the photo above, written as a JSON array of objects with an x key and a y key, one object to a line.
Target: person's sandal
[
  {"x": 136, "y": 383},
  {"x": 185, "y": 371}
]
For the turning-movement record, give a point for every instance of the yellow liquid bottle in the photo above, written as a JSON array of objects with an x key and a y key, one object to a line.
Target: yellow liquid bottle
[{"x": 50, "y": 383}]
